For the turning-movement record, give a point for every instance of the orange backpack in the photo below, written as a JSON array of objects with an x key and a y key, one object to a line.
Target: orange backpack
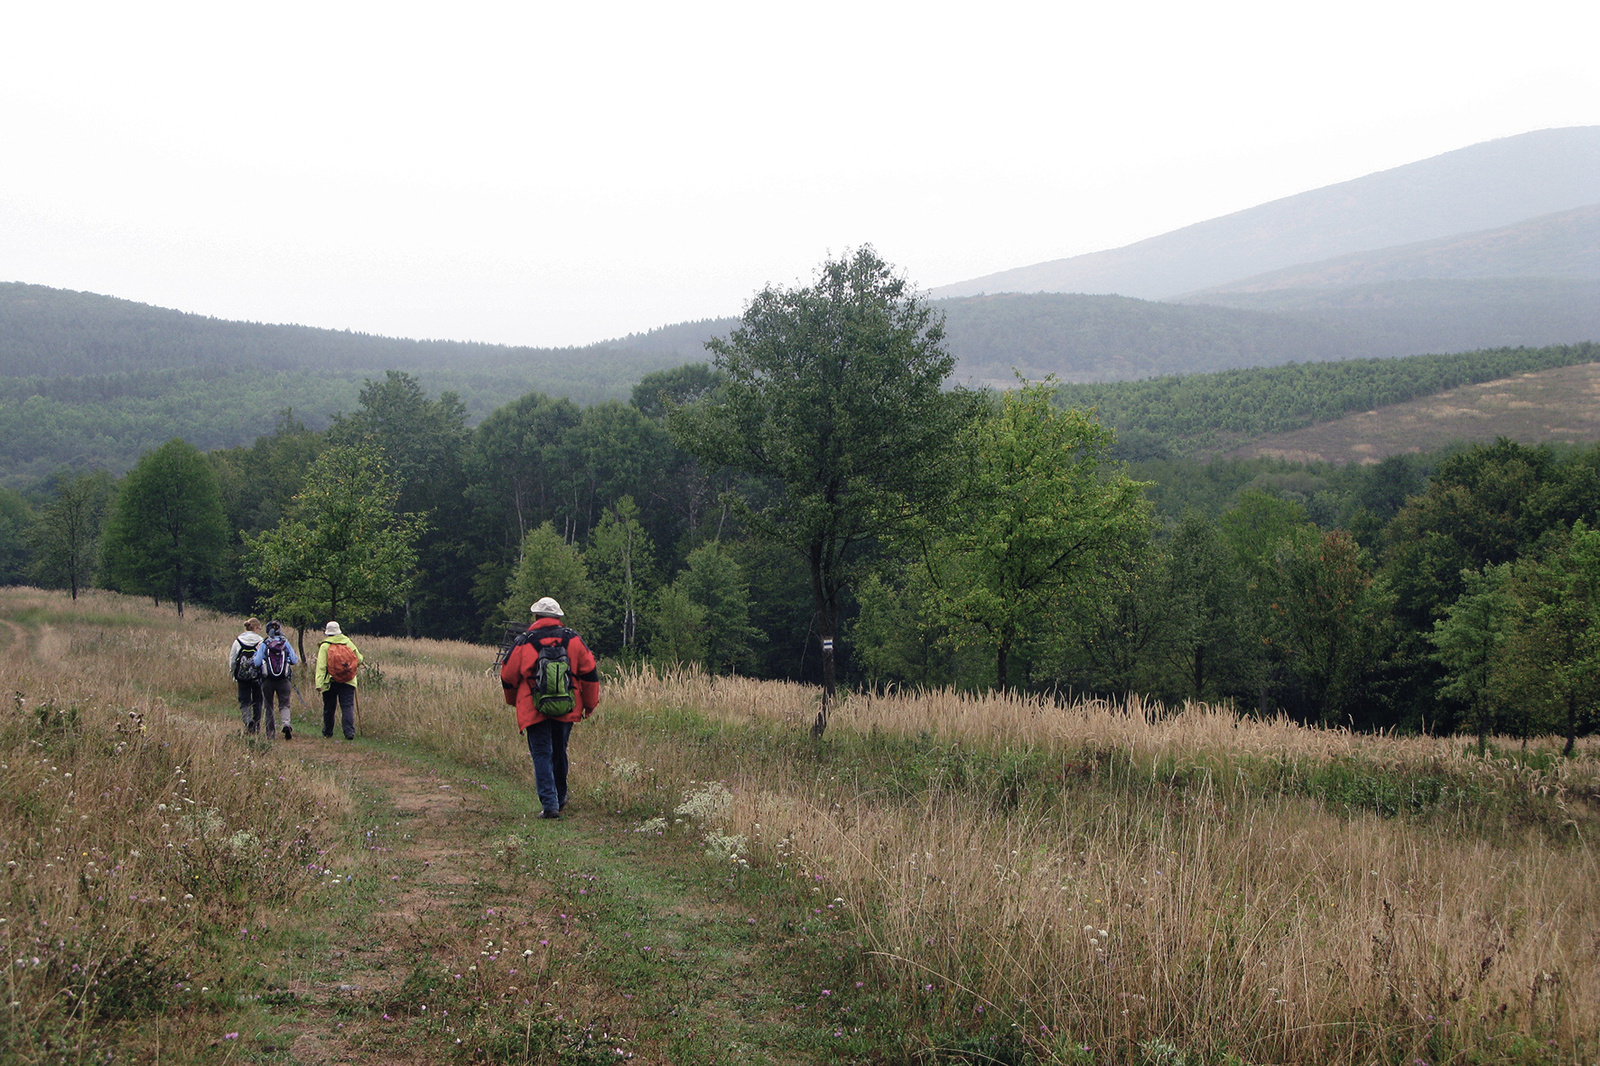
[{"x": 342, "y": 663}]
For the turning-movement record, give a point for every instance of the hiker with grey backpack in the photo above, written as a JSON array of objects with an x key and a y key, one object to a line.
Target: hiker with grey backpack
[
  {"x": 275, "y": 658},
  {"x": 552, "y": 680},
  {"x": 242, "y": 668}
]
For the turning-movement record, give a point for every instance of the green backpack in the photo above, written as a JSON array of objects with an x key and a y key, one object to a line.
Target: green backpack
[{"x": 555, "y": 694}]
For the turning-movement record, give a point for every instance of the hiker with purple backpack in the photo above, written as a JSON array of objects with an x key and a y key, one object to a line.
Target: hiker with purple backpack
[{"x": 275, "y": 658}]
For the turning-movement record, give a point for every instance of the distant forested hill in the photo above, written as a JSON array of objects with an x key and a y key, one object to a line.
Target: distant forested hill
[
  {"x": 1169, "y": 416},
  {"x": 51, "y": 333},
  {"x": 92, "y": 382}
]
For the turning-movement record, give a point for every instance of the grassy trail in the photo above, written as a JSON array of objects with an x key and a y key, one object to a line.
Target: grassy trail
[{"x": 458, "y": 915}]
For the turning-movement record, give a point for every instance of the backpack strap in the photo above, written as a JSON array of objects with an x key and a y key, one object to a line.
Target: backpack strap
[{"x": 543, "y": 633}]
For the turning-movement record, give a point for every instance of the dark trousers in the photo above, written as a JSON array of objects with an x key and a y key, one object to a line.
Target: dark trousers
[
  {"x": 275, "y": 687},
  {"x": 547, "y": 745},
  {"x": 250, "y": 705},
  {"x": 344, "y": 696}
]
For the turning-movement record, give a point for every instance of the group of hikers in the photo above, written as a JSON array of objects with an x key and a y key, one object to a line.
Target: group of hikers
[
  {"x": 264, "y": 668},
  {"x": 548, "y": 674}
]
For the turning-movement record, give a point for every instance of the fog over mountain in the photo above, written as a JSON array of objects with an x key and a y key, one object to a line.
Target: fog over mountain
[{"x": 1481, "y": 187}]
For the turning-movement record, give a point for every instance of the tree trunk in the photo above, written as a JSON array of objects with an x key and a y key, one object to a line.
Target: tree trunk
[{"x": 1572, "y": 721}]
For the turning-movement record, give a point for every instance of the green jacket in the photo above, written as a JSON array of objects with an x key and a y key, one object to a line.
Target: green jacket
[{"x": 322, "y": 660}]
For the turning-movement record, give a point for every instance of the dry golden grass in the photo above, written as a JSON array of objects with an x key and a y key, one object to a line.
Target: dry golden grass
[
  {"x": 1153, "y": 891},
  {"x": 132, "y": 817},
  {"x": 1201, "y": 916}
]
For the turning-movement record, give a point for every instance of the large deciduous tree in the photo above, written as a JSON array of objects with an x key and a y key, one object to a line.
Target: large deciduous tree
[
  {"x": 833, "y": 395},
  {"x": 168, "y": 529},
  {"x": 343, "y": 551},
  {"x": 423, "y": 443},
  {"x": 66, "y": 536},
  {"x": 1045, "y": 523}
]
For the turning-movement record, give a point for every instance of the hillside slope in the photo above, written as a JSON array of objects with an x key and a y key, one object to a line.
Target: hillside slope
[
  {"x": 1561, "y": 245},
  {"x": 1548, "y": 406},
  {"x": 1482, "y": 186}
]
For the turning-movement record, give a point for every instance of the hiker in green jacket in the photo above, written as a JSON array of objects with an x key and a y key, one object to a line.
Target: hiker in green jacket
[{"x": 337, "y": 662}]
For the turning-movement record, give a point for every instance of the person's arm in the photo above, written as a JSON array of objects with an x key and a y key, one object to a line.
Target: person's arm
[
  {"x": 587, "y": 670},
  {"x": 511, "y": 675}
]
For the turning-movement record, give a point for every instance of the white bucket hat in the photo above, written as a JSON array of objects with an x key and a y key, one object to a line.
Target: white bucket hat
[
  {"x": 547, "y": 606},
  {"x": 332, "y": 629}
]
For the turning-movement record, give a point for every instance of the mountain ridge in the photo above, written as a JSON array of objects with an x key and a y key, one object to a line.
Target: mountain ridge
[{"x": 1482, "y": 186}]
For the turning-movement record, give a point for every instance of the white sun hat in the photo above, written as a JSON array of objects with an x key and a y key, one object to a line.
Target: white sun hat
[{"x": 547, "y": 606}]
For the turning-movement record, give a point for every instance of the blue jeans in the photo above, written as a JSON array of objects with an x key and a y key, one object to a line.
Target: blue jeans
[{"x": 547, "y": 745}]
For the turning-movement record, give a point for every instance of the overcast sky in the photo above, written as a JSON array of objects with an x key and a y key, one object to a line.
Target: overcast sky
[{"x": 545, "y": 174}]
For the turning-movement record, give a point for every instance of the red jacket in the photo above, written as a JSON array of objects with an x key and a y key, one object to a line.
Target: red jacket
[{"x": 516, "y": 676}]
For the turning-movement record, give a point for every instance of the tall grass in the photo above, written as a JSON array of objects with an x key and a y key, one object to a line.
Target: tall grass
[
  {"x": 1083, "y": 881},
  {"x": 1143, "y": 883},
  {"x": 1123, "y": 881},
  {"x": 134, "y": 824}
]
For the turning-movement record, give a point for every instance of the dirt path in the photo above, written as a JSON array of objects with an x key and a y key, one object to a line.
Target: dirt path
[{"x": 617, "y": 947}]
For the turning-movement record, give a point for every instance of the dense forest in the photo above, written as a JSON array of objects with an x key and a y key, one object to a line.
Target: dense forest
[{"x": 818, "y": 503}]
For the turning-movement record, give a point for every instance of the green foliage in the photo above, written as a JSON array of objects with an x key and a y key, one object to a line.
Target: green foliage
[
  {"x": 677, "y": 626},
  {"x": 1041, "y": 517},
  {"x": 1197, "y": 410},
  {"x": 1466, "y": 641},
  {"x": 834, "y": 393},
  {"x": 714, "y": 583},
  {"x": 550, "y": 567},
  {"x": 1331, "y": 619},
  {"x": 166, "y": 531},
  {"x": 16, "y": 521},
  {"x": 621, "y": 562},
  {"x": 66, "y": 536},
  {"x": 343, "y": 551}
]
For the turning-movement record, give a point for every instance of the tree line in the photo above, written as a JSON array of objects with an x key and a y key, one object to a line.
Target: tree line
[{"x": 817, "y": 504}]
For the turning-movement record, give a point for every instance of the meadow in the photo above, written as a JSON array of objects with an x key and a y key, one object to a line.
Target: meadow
[{"x": 959, "y": 878}]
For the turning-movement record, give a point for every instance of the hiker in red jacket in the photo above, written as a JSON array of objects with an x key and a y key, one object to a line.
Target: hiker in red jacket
[{"x": 547, "y": 734}]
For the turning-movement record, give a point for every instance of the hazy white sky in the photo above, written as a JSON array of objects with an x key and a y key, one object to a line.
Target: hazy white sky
[{"x": 535, "y": 173}]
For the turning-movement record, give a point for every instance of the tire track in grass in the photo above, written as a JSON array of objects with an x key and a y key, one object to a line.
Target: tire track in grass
[{"x": 464, "y": 917}]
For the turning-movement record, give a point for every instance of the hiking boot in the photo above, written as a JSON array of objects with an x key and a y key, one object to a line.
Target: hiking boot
[
  {"x": 551, "y": 814},
  {"x": 288, "y": 734}
]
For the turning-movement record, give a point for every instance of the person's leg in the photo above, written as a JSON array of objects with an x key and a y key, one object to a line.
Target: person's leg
[
  {"x": 244, "y": 704},
  {"x": 255, "y": 706},
  {"x": 558, "y": 759},
  {"x": 347, "y": 708},
  {"x": 268, "y": 692},
  {"x": 277, "y": 687},
  {"x": 329, "y": 701},
  {"x": 541, "y": 741}
]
